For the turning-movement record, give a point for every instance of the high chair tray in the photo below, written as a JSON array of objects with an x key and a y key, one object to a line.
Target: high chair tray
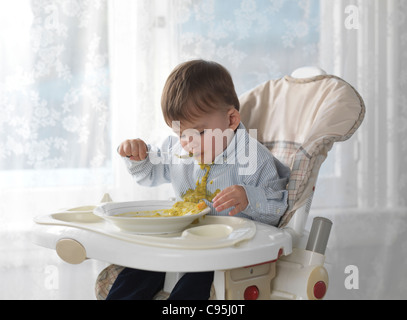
[
  {"x": 215, "y": 243},
  {"x": 207, "y": 233}
]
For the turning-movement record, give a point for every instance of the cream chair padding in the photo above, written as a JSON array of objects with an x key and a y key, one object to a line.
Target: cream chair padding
[{"x": 299, "y": 120}]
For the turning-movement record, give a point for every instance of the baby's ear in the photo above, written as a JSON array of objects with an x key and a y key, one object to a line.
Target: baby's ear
[{"x": 234, "y": 118}]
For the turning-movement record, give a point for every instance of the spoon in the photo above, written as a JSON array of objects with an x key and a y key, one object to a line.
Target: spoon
[{"x": 185, "y": 156}]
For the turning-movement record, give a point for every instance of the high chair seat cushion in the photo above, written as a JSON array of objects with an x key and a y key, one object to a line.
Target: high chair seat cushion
[
  {"x": 299, "y": 120},
  {"x": 105, "y": 280}
]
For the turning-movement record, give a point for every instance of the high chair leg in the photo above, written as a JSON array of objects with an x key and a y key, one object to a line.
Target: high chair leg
[{"x": 171, "y": 279}]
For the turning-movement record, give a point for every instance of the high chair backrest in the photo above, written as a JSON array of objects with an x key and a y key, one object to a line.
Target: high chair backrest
[{"x": 299, "y": 120}]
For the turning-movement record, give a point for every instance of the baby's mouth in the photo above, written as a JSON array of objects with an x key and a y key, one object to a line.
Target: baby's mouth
[{"x": 194, "y": 153}]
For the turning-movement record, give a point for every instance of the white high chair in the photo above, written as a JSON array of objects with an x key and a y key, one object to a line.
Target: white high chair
[{"x": 298, "y": 118}]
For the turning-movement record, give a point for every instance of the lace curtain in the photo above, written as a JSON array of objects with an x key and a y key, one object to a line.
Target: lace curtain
[
  {"x": 55, "y": 119},
  {"x": 256, "y": 40},
  {"x": 366, "y": 45},
  {"x": 55, "y": 87},
  {"x": 55, "y": 133}
]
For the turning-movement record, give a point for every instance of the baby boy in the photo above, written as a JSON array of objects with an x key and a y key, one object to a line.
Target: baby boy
[{"x": 200, "y": 104}]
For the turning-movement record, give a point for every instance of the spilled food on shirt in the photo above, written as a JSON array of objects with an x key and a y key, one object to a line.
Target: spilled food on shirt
[{"x": 192, "y": 201}]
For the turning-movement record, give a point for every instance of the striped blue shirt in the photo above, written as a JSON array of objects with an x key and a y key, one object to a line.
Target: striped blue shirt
[{"x": 244, "y": 162}]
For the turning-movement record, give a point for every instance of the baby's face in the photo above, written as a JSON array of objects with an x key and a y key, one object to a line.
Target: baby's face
[{"x": 206, "y": 137}]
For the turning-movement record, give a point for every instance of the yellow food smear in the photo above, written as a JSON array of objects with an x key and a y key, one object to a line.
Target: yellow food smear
[
  {"x": 192, "y": 201},
  {"x": 200, "y": 192},
  {"x": 179, "y": 208}
]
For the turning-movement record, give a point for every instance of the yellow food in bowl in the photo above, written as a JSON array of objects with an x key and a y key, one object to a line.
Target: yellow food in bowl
[
  {"x": 180, "y": 208},
  {"x": 192, "y": 201}
]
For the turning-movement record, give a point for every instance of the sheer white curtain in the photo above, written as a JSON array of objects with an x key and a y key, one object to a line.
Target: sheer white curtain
[
  {"x": 369, "y": 53},
  {"x": 141, "y": 54},
  {"x": 365, "y": 43},
  {"x": 54, "y": 97}
]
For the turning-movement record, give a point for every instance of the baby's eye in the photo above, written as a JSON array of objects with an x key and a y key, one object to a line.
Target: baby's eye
[{"x": 191, "y": 133}]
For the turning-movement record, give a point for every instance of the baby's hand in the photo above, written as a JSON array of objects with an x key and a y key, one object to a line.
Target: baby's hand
[
  {"x": 134, "y": 149},
  {"x": 234, "y": 196}
]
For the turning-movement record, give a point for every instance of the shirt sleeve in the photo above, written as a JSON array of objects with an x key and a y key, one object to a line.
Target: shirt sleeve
[
  {"x": 267, "y": 193},
  {"x": 155, "y": 169}
]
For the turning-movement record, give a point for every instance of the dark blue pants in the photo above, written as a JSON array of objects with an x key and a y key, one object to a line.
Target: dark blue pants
[{"x": 134, "y": 284}]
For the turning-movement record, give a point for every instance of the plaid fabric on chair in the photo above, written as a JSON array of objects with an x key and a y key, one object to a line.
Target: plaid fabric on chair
[{"x": 105, "y": 280}]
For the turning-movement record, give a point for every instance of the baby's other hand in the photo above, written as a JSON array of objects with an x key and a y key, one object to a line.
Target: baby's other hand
[
  {"x": 234, "y": 196},
  {"x": 133, "y": 149}
]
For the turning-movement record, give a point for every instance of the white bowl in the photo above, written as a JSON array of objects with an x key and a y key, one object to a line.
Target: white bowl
[{"x": 145, "y": 225}]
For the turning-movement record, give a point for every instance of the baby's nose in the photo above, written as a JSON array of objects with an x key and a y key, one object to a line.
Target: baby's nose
[{"x": 189, "y": 147}]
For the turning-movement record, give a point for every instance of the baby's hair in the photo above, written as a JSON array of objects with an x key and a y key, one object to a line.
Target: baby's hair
[{"x": 197, "y": 87}]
